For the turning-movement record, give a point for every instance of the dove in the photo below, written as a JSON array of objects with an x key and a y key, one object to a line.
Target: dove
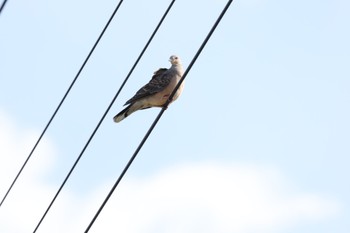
[{"x": 157, "y": 91}]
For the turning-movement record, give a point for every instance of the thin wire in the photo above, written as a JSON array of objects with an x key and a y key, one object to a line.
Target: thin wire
[
  {"x": 159, "y": 116},
  {"x": 2, "y": 5},
  {"x": 104, "y": 115},
  {"x": 63, "y": 99}
]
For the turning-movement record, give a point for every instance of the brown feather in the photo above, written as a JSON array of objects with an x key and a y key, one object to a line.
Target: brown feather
[{"x": 159, "y": 81}]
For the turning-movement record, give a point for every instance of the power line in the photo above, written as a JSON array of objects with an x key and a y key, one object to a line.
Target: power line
[
  {"x": 62, "y": 100},
  {"x": 2, "y": 5},
  {"x": 104, "y": 115},
  {"x": 159, "y": 116}
]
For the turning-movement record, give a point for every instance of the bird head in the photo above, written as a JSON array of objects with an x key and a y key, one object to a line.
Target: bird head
[{"x": 175, "y": 60}]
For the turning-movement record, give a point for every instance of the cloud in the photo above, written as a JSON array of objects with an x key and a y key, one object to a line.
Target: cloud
[
  {"x": 29, "y": 195},
  {"x": 212, "y": 197},
  {"x": 198, "y": 197},
  {"x": 15, "y": 145}
]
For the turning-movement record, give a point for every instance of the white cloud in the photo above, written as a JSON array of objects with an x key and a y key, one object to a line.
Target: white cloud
[
  {"x": 29, "y": 194},
  {"x": 212, "y": 197},
  {"x": 15, "y": 146},
  {"x": 201, "y": 197}
]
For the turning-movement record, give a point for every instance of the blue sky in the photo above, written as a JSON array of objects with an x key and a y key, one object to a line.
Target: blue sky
[{"x": 258, "y": 141}]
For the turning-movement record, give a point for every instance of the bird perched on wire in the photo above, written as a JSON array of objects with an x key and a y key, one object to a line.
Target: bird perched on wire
[{"x": 157, "y": 91}]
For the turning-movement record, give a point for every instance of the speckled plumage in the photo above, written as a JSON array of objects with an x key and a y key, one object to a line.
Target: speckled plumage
[{"x": 156, "y": 92}]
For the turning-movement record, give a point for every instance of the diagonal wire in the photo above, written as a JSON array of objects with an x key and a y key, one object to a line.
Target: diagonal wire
[
  {"x": 2, "y": 5},
  {"x": 63, "y": 99},
  {"x": 159, "y": 116},
  {"x": 104, "y": 115}
]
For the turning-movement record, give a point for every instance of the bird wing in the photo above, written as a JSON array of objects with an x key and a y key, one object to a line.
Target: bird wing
[{"x": 160, "y": 80}]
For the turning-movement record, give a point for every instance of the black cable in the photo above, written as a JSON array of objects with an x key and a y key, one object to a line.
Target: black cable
[
  {"x": 159, "y": 116},
  {"x": 104, "y": 115},
  {"x": 63, "y": 99},
  {"x": 2, "y": 5}
]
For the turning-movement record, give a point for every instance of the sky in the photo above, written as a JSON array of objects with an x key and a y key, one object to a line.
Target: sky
[{"x": 257, "y": 142}]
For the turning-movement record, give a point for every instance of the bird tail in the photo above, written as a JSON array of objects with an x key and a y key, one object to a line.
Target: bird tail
[{"x": 124, "y": 113}]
